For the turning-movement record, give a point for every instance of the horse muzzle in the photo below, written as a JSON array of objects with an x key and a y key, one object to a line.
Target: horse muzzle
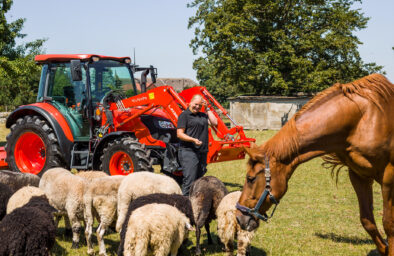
[{"x": 247, "y": 222}]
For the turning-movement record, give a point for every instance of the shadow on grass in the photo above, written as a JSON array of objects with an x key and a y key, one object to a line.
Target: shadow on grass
[
  {"x": 233, "y": 185},
  {"x": 341, "y": 239},
  {"x": 188, "y": 248},
  {"x": 373, "y": 253},
  {"x": 58, "y": 250}
]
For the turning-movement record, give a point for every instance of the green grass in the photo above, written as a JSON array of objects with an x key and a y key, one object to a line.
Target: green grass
[{"x": 315, "y": 217}]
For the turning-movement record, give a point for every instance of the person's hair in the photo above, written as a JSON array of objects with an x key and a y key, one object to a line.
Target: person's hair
[{"x": 195, "y": 96}]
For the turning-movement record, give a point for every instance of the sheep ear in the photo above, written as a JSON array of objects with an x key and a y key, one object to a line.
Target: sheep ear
[
  {"x": 190, "y": 227},
  {"x": 255, "y": 153}
]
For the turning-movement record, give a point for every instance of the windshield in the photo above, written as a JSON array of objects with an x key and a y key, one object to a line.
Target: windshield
[{"x": 107, "y": 75}]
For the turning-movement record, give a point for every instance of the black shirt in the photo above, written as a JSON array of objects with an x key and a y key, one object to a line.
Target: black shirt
[{"x": 196, "y": 126}]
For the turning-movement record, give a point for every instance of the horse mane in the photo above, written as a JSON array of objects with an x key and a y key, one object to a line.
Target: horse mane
[{"x": 374, "y": 87}]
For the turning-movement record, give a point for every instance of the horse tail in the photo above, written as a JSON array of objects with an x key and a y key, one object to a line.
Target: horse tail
[{"x": 332, "y": 162}]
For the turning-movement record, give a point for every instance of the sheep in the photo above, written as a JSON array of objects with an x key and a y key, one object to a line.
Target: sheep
[
  {"x": 22, "y": 197},
  {"x": 90, "y": 175},
  {"x": 28, "y": 230},
  {"x": 139, "y": 184},
  {"x": 205, "y": 196},
  {"x": 101, "y": 198},
  {"x": 65, "y": 192},
  {"x": 157, "y": 229},
  {"x": 182, "y": 203},
  {"x": 5, "y": 194},
  {"x": 17, "y": 180},
  {"x": 228, "y": 227}
]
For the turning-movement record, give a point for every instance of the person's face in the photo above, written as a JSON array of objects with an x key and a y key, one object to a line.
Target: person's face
[{"x": 195, "y": 105}]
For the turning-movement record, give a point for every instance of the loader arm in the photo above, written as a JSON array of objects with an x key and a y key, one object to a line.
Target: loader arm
[{"x": 224, "y": 145}]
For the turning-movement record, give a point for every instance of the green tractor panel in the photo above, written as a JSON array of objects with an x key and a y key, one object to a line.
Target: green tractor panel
[{"x": 90, "y": 114}]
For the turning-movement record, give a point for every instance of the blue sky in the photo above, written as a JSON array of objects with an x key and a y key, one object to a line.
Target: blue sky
[{"x": 158, "y": 31}]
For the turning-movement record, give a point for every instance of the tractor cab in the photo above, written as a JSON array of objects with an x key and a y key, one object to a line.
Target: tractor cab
[{"x": 77, "y": 84}]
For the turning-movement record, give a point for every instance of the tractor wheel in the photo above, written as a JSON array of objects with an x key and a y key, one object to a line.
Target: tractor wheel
[
  {"x": 32, "y": 146},
  {"x": 124, "y": 156}
]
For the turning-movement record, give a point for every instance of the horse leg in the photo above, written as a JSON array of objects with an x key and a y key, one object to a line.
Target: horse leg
[
  {"x": 388, "y": 207},
  {"x": 363, "y": 188}
]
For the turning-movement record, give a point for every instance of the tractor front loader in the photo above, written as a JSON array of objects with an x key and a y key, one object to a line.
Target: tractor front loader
[{"x": 90, "y": 114}]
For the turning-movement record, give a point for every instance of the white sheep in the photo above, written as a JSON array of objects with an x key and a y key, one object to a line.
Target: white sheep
[
  {"x": 140, "y": 184},
  {"x": 65, "y": 191},
  {"x": 101, "y": 198},
  {"x": 228, "y": 227},
  {"x": 90, "y": 175},
  {"x": 22, "y": 197},
  {"x": 157, "y": 229}
]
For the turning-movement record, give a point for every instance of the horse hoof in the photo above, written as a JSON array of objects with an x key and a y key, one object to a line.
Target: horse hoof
[
  {"x": 198, "y": 251},
  {"x": 75, "y": 245}
]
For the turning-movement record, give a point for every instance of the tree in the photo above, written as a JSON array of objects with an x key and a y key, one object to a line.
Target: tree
[
  {"x": 276, "y": 47},
  {"x": 19, "y": 75}
]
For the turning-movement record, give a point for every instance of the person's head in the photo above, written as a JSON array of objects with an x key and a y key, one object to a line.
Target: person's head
[{"x": 196, "y": 103}]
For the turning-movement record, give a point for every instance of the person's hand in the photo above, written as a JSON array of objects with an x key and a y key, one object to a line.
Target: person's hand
[{"x": 197, "y": 142}]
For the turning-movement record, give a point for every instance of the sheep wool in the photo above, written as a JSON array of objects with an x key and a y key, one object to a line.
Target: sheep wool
[
  {"x": 91, "y": 175},
  {"x": 101, "y": 198},
  {"x": 17, "y": 180},
  {"x": 228, "y": 227},
  {"x": 155, "y": 229},
  {"x": 182, "y": 203},
  {"x": 65, "y": 192},
  {"x": 28, "y": 230},
  {"x": 5, "y": 194},
  {"x": 139, "y": 184},
  {"x": 22, "y": 197}
]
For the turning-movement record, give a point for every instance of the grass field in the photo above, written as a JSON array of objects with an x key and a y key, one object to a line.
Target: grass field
[{"x": 316, "y": 216}]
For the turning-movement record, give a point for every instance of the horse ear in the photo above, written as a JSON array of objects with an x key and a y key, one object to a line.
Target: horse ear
[{"x": 254, "y": 152}]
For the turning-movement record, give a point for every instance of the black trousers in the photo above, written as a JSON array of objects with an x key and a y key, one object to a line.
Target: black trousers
[{"x": 194, "y": 165}]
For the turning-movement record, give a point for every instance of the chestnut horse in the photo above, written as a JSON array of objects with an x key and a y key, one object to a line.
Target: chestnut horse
[{"x": 353, "y": 125}]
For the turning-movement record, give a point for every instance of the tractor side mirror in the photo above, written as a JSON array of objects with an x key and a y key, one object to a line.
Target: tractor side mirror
[
  {"x": 143, "y": 80},
  {"x": 76, "y": 70},
  {"x": 153, "y": 74}
]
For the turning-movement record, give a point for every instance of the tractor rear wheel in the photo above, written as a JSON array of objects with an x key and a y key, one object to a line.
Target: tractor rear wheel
[
  {"x": 32, "y": 146},
  {"x": 124, "y": 156}
]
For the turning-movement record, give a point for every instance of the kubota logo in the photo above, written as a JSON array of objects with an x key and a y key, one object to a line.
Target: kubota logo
[{"x": 139, "y": 99}]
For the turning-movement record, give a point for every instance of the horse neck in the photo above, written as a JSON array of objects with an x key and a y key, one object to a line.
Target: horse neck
[{"x": 320, "y": 129}]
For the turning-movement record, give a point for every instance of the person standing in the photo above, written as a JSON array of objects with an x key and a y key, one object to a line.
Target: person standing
[{"x": 192, "y": 130}]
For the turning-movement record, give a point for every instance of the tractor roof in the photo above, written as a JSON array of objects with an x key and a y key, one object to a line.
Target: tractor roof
[{"x": 67, "y": 57}]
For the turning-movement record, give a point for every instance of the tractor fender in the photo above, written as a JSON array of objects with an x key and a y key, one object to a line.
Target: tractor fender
[
  {"x": 55, "y": 120},
  {"x": 103, "y": 142}
]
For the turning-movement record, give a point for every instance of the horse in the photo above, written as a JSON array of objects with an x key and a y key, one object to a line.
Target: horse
[{"x": 349, "y": 125}]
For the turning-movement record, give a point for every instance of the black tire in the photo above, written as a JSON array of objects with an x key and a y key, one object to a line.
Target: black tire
[
  {"x": 36, "y": 127},
  {"x": 129, "y": 148}
]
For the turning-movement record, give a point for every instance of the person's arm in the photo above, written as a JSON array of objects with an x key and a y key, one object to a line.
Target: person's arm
[
  {"x": 183, "y": 136},
  {"x": 212, "y": 120}
]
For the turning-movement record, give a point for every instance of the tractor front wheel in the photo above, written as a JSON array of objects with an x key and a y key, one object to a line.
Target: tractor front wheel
[
  {"x": 32, "y": 146},
  {"x": 124, "y": 156}
]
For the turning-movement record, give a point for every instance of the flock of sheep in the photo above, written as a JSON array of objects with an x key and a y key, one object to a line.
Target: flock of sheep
[{"x": 151, "y": 215}]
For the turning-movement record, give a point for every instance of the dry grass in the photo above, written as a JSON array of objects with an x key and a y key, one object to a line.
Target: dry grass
[{"x": 316, "y": 217}]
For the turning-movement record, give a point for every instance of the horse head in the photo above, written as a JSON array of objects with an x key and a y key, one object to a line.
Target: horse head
[{"x": 264, "y": 186}]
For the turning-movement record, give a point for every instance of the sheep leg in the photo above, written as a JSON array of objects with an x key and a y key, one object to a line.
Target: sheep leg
[
  {"x": 198, "y": 233},
  {"x": 229, "y": 248},
  {"x": 76, "y": 227},
  {"x": 208, "y": 233},
  {"x": 88, "y": 235},
  {"x": 100, "y": 238}
]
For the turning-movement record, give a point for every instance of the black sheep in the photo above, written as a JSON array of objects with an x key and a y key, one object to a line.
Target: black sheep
[
  {"x": 17, "y": 180},
  {"x": 5, "y": 194},
  {"x": 182, "y": 203},
  {"x": 28, "y": 230},
  {"x": 205, "y": 196}
]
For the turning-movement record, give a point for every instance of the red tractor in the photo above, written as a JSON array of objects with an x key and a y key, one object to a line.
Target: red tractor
[{"x": 90, "y": 114}]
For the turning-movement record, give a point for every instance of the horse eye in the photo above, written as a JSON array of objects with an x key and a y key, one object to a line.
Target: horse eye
[{"x": 250, "y": 179}]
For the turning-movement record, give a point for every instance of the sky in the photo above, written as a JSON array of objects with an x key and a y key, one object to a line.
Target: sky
[{"x": 157, "y": 30}]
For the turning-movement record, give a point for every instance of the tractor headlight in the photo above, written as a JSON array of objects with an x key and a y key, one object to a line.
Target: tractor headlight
[{"x": 166, "y": 125}]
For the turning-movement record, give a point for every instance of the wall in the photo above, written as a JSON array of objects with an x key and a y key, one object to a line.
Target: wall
[{"x": 264, "y": 112}]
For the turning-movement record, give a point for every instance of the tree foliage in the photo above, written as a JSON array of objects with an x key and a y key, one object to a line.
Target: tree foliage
[
  {"x": 276, "y": 47},
  {"x": 19, "y": 75}
]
